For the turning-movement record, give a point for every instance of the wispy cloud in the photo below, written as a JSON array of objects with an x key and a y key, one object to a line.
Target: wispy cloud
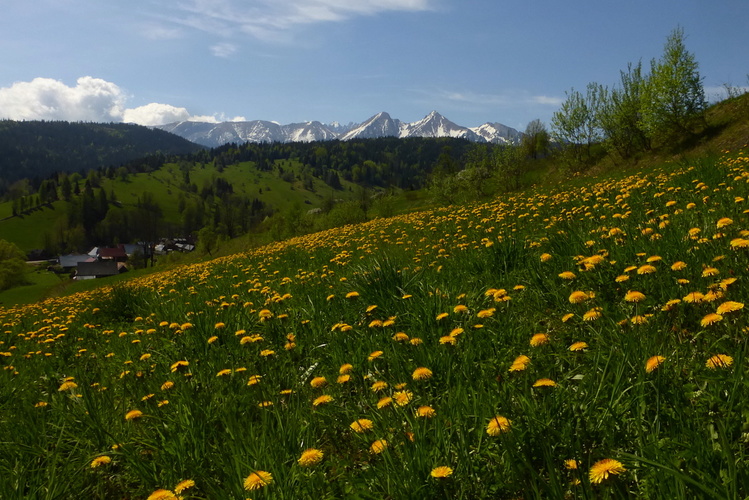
[
  {"x": 504, "y": 99},
  {"x": 91, "y": 99},
  {"x": 273, "y": 20},
  {"x": 223, "y": 49}
]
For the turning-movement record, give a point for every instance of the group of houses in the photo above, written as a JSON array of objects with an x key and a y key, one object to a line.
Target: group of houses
[{"x": 101, "y": 262}]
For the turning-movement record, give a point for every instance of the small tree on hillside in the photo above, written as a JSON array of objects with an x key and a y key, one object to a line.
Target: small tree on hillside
[
  {"x": 535, "y": 141},
  {"x": 674, "y": 97}
]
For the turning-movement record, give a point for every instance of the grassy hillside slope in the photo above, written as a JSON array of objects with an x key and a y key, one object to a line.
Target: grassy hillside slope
[
  {"x": 166, "y": 184},
  {"x": 587, "y": 342}
]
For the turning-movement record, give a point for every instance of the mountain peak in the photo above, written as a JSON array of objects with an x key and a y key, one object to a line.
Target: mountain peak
[{"x": 379, "y": 125}]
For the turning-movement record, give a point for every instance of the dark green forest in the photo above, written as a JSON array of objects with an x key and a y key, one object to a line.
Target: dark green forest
[{"x": 37, "y": 149}]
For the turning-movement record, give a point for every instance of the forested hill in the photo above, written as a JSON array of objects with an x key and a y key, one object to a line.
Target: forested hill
[{"x": 31, "y": 149}]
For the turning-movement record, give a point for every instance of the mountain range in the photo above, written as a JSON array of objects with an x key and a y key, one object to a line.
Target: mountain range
[{"x": 380, "y": 125}]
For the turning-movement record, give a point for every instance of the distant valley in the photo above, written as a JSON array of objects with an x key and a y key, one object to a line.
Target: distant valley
[{"x": 379, "y": 125}]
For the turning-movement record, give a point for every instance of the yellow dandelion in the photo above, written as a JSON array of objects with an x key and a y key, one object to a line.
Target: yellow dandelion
[
  {"x": 441, "y": 471},
  {"x": 162, "y": 495},
  {"x": 425, "y": 412},
  {"x": 167, "y": 385},
  {"x": 544, "y": 382},
  {"x": 378, "y": 446},
  {"x": 448, "y": 339},
  {"x": 593, "y": 314},
  {"x": 402, "y": 398},
  {"x": 602, "y": 469},
  {"x": 634, "y": 296},
  {"x": 184, "y": 485},
  {"x": 539, "y": 339},
  {"x": 567, "y": 275},
  {"x": 224, "y": 372},
  {"x": 460, "y": 309},
  {"x": 352, "y": 295},
  {"x": 578, "y": 346},
  {"x": 646, "y": 269},
  {"x": 321, "y": 400},
  {"x": 267, "y": 352},
  {"x": 345, "y": 368},
  {"x": 719, "y": 361},
  {"x": 578, "y": 296},
  {"x": 379, "y": 386},
  {"x": 133, "y": 414},
  {"x": 318, "y": 382},
  {"x": 725, "y": 221},
  {"x": 638, "y": 320},
  {"x": 546, "y": 257},
  {"x": 486, "y": 313},
  {"x": 310, "y": 457},
  {"x": 711, "y": 319},
  {"x": 520, "y": 363},
  {"x": 102, "y": 460},
  {"x": 653, "y": 362},
  {"x": 361, "y": 425},
  {"x": 343, "y": 379},
  {"x": 265, "y": 314},
  {"x": 213, "y": 339},
  {"x": 179, "y": 364},
  {"x": 570, "y": 464},
  {"x": 567, "y": 317},
  {"x": 422, "y": 373},
  {"x": 384, "y": 402},
  {"x": 739, "y": 243},
  {"x": 67, "y": 386},
  {"x": 694, "y": 298},
  {"x": 442, "y": 316},
  {"x": 400, "y": 337},
  {"x": 415, "y": 341},
  {"x": 710, "y": 271},
  {"x": 254, "y": 379},
  {"x": 374, "y": 355},
  {"x": 498, "y": 425},
  {"x": 729, "y": 306},
  {"x": 219, "y": 325},
  {"x": 257, "y": 480}
]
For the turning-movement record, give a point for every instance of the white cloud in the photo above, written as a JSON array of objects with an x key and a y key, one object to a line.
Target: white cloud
[
  {"x": 155, "y": 114},
  {"x": 509, "y": 98},
  {"x": 268, "y": 19},
  {"x": 90, "y": 100},
  {"x": 223, "y": 49}
]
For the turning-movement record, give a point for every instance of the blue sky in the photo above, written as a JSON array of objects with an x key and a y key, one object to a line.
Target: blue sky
[{"x": 474, "y": 61}]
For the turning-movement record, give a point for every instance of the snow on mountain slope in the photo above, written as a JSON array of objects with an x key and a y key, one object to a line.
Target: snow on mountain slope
[{"x": 380, "y": 125}]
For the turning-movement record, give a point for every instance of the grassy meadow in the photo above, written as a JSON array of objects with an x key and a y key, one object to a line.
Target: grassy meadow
[{"x": 578, "y": 342}]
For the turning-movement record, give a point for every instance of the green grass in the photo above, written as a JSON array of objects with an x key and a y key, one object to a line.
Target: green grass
[
  {"x": 463, "y": 291},
  {"x": 39, "y": 283}
]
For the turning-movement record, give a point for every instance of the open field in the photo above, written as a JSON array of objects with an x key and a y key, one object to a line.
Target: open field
[{"x": 586, "y": 342}]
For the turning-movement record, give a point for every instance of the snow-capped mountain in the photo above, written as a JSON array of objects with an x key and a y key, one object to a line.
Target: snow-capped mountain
[
  {"x": 217, "y": 134},
  {"x": 498, "y": 133},
  {"x": 380, "y": 125},
  {"x": 436, "y": 125}
]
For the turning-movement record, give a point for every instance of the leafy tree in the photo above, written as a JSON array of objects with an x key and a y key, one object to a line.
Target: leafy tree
[
  {"x": 535, "y": 141},
  {"x": 674, "y": 97},
  {"x": 575, "y": 124},
  {"x": 12, "y": 265},
  {"x": 620, "y": 114}
]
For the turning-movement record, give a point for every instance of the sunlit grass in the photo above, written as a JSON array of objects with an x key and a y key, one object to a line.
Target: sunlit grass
[{"x": 582, "y": 343}]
